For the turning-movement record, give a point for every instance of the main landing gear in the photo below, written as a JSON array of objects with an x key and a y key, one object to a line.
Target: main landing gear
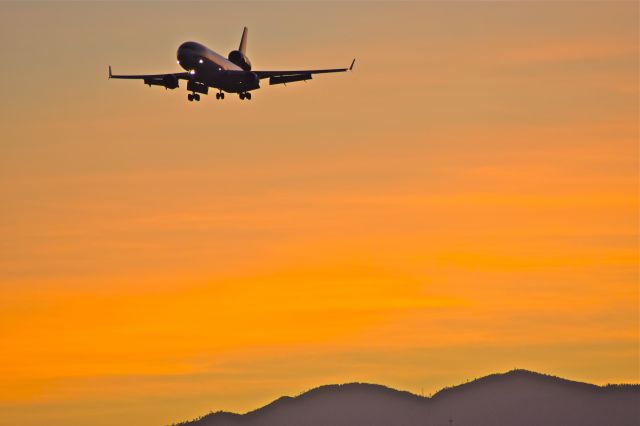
[{"x": 220, "y": 95}]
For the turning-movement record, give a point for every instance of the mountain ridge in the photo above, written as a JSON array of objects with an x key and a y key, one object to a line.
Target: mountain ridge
[{"x": 517, "y": 397}]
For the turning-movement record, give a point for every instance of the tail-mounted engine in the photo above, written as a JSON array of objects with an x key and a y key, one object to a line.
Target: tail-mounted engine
[{"x": 240, "y": 59}]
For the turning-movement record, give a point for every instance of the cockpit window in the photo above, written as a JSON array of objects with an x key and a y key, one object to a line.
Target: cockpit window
[{"x": 190, "y": 45}]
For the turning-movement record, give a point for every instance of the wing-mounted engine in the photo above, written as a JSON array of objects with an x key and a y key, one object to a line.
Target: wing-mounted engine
[
  {"x": 240, "y": 59},
  {"x": 168, "y": 81}
]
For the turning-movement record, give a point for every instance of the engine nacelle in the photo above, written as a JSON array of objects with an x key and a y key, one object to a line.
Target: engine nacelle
[
  {"x": 168, "y": 81},
  {"x": 240, "y": 59}
]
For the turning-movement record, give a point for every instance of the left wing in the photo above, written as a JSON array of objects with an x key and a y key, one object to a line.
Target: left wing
[
  {"x": 283, "y": 77},
  {"x": 170, "y": 81}
]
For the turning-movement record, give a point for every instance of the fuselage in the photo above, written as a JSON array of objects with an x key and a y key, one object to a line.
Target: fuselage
[{"x": 214, "y": 70}]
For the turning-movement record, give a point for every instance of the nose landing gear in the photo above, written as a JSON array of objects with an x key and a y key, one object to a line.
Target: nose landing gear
[
  {"x": 245, "y": 95},
  {"x": 193, "y": 97},
  {"x": 220, "y": 95}
]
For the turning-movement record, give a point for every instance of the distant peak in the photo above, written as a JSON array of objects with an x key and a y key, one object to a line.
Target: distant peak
[
  {"x": 510, "y": 376},
  {"x": 334, "y": 389}
]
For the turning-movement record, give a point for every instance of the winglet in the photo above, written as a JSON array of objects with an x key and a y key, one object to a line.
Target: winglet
[
  {"x": 352, "y": 63},
  {"x": 110, "y": 71}
]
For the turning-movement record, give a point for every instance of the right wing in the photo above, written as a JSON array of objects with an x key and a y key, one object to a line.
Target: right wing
[
  {"x": 283, "y": 77},
  {"x": 170, "y": 81}
]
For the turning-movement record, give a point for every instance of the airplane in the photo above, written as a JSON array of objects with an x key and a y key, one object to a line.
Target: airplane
[{"x": 207, "y": 69}]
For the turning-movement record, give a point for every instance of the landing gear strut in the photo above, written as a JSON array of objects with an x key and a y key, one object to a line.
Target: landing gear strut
[
  {"x": 245, "y": 95},
  {"x": 193, "y": 97}
]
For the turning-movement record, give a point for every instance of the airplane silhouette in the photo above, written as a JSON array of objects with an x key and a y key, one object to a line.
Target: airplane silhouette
[{"x": 206, "y": 68}]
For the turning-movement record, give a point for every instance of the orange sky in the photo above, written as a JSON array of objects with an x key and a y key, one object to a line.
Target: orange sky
[{"x": 464, "y": 202}]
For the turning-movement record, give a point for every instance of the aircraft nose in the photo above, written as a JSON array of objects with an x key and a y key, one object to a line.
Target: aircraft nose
[
  {"x": 189, "y": 53},
  {"x": 184, "y": 54}
]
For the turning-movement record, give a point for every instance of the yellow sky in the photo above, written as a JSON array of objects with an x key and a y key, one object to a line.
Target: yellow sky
[{"x": 464, "y": 202}]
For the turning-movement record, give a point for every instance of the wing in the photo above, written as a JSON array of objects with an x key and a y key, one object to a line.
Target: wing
[
  {"x": 283, "y": 77},
  {"x": 170, "y": 81}
]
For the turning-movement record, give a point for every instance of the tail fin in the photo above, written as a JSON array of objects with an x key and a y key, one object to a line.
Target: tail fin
[{"x": 243, "y": 41}]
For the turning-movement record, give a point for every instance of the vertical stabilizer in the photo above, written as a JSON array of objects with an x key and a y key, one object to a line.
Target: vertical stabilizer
[{"x": 243, "y": 41}]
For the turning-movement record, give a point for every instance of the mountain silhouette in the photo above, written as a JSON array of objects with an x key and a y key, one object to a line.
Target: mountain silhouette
[{"x": 516, "y": 398}]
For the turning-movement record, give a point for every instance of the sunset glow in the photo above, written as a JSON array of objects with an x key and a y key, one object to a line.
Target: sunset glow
[{"x": 464, "y": 202}]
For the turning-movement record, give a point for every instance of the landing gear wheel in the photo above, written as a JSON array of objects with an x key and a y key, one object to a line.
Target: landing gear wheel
[
  {"x": 190, "y": 97},
  {"x": 247, "y": 95},
  {"x": 217, "y": 95},
  {"x": 242, "y": 96},
  {"x": 221, "y": 95},
  {"x": 196, "y": 97}
]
